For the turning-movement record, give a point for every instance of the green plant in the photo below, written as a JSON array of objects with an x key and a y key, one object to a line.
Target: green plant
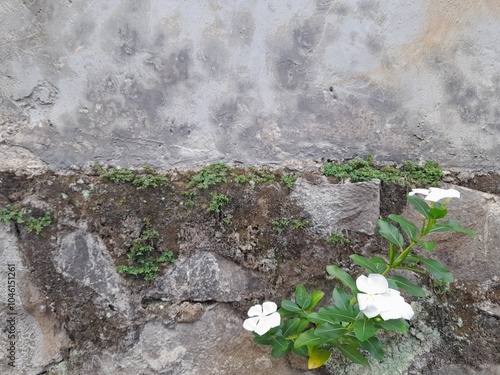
[
  {"x": 217, "y": 202},
  {"x": 190, "y": 195},
  {"x": 288, "y": 180},
  {"x": 37, "y": 225},
  {"x": 363, "y": 307},
  {"x": 279, "y": 226},
  {"x": 410, "y": 174},
  {"x": 13, "y": 213},
  {"x": 149, "y": 177},
  {"x": 300, "y": 224},
  {"x": 16, "y": 214},
  {"x": 142, "y": 257},
  {"x": 338, "y": 238},
  {"x": 210, "y": 175}
]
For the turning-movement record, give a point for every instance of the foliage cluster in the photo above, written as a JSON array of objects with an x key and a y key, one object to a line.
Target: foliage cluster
[
  {"x": 410, "y": 174},
  {"x": 338, "y": 238},
  {"x": 210, "y": 175},
  {"x": 16, "y": 214},
  {"x": 149, "y": 178},
  {"x": 217, "y": 202},
  {"x": 143, "y": 261},
  {"x": 279, "y": 226}
]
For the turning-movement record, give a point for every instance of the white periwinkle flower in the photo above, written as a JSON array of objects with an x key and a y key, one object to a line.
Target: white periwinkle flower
[
  {"x": 262, "y": 318},
  {"x": 436, "y": 194},
  {"x": 374, "y": 300},
  {"x": 379, "y": 299}
]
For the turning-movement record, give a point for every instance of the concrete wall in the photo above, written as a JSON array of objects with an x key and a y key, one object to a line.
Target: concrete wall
[{"x": 172, "y": 82}]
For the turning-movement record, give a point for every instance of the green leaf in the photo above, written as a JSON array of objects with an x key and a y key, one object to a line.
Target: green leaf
[
  {"x": 294, "y": 327},
  {"x": 280, "y": 347},
  {"x": 420, "y": 205},
  {"x": 408, "y": 286},
  {"x": 374, "y": 264},
  {"x": 451, "y": 225},
  {"x": 438, "y": 213},
  {"x": 290, "y": 306},
  {"x": 375, "y": 347},
  {"x": 352, "y": 353},
  {"x": 393, "y": 325},
  {"x": 316, "y": 296},
  {"x": 364, "y": 329},
  {"x": 302, "y": 298},
  {"x": 427, "y": 246},
  {"x": 317, "y": 358},
  {"x": 341, "y": 299},
  {"x": 437, "y": 269},
  {"x": 263, "y": 340},
  {"x": 330, "y": 330},
  {"x": 390, "y": 232},
  {"x": 302, "y": 351},
  {"x": 409, "y": 228},
  {"x": 307, "y": 338},
  {"x": 343, "y": 276},
  {"x": 332, "y": 314}
]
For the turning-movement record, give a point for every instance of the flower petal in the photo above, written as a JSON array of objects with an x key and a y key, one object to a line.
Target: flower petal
[
  {"x": 274, "y": 319},
  {"x": 406, "y": 311},
  {"x": 378, "y": 283},
  {"x": 251, "y": 323},
  {"x": 370, "y": 311},
  {"x": 437, "y": 194},
  {"x": 263, "y": 326},
  {"x": 363, "y": 300},
  {"x": 419, "y": 191},
  {"x": 269, "y": 308},
  {"x": 362, "y": 284},
  {"x": 255, "y": 310}
]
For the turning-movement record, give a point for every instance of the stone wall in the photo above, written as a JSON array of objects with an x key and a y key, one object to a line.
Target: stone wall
[
  {"x": 75, "y": 314},
  {"x": 183, "y": 83}
]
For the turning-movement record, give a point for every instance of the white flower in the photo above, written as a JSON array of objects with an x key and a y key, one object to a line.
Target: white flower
[
  {"x": 373, "y": 301},
  {"x": 398, "y": 308},
  {"x": 436, "y": 194},
  {"x": 262, "y": 318},
  {"x": 379, "y": 299}
]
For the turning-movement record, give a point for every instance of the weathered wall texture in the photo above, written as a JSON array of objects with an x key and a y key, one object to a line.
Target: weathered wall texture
[{"x": 188, "y": 82}]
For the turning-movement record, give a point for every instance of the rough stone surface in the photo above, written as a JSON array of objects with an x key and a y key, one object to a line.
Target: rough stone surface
[
  {"x": 207, "y": 277},
  {"x": 465, "y": 255},
  {"x": 84, "y": 258},
  {"x": 31, "y": 332},
  {"x": 78, "y": 316},
  {"x": 340, "y": 207},
  {"x": 130, "y": 82}
]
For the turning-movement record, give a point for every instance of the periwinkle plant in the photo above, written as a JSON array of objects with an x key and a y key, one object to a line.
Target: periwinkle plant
[{"x": 367, "y": 305}]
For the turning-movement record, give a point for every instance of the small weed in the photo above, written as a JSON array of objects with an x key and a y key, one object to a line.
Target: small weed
[
  {"x": 240, "y": 178},
  {"x": 410, "y": 174},
  {"x": 227, "y": 221},
  {"x": 300, "y": 224},
  {"x": 211, "y": 175},
  {"x": 148, "y": 179},
  {"x": 288, "y": 180},
  {"x": 280, "y": 225},
  {"x": 189, "y": 202},
  {"x": 441, "y": 288},
  {"x": 13, "y": 213},
  {"x": 144, "y": 263},
  {"x": 260, "y": 176},
  {"x": 16, "y": 214},
  {"x": 37, "y": 225},
  {"x": 337, "y": 238},
  {"x": 217, "y": 202}
]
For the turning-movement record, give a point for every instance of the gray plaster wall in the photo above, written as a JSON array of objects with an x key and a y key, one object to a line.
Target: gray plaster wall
[{"x": 182, "y": 83}]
